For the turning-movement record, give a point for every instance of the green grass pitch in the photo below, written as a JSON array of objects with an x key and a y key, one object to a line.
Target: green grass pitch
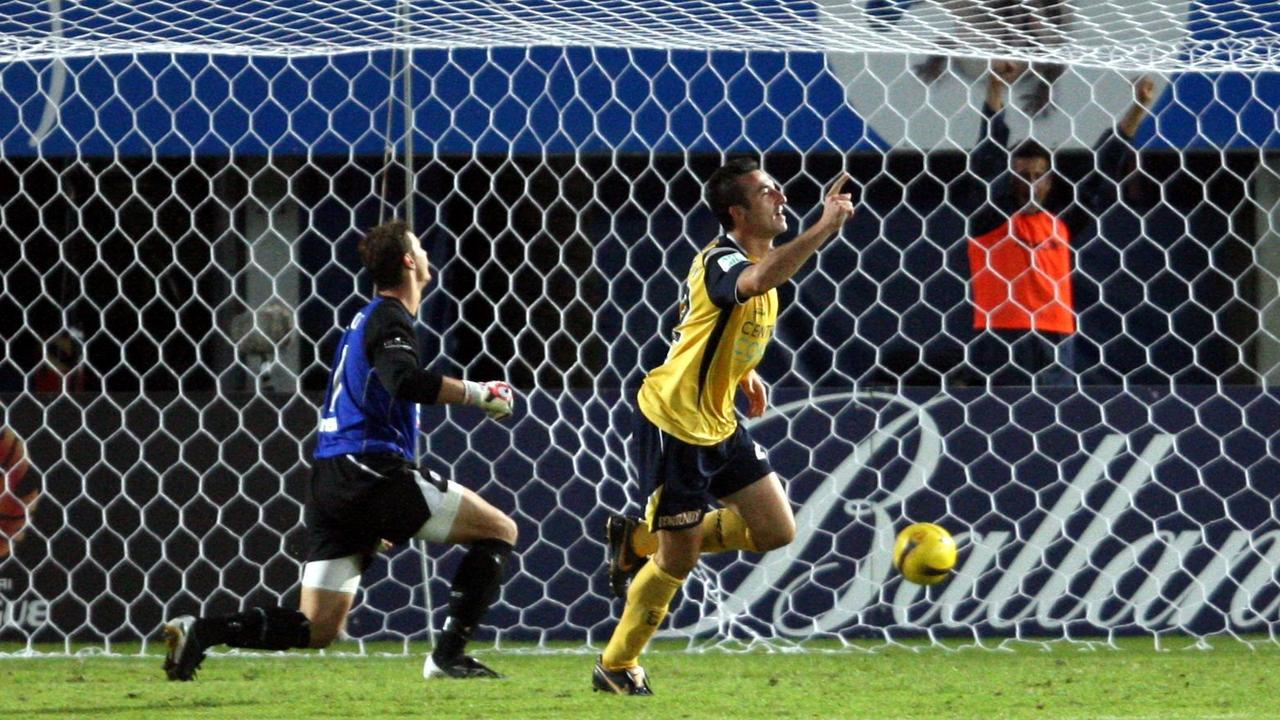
[{"x": 1134, "y": 681}]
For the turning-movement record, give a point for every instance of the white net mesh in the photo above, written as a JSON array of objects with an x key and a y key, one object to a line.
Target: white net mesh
[
  {"x": 1131, "y": 34},
  {"x": 182, "y": 185}
]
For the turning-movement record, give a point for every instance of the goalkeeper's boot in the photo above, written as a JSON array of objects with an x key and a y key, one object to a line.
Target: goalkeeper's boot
[
  {"x": 186, "y": 652},
  {"x": 627, "y": 681},
  {"x": 624, "y": 563},
  {"x": 461, "y": 667}
]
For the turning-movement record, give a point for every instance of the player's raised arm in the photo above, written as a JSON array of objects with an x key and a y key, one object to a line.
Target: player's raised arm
[
  {"x": 989, "y": 193},
  {"x": 781, "y": 263},
  {"x": 990, "y": 156},
  {"x": 1114, "y": 156},
  {"x": 1144, "y": 93},
  {"x": 1002, "y": 75},
  {"x": 393, "y": 353}
]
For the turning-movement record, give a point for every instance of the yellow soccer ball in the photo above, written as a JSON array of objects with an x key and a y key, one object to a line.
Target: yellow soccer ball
[{"x": 924, "y": 553}]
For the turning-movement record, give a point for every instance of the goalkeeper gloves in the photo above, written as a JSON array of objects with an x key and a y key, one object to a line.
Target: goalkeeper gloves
[{"x": 495, "y": 397}]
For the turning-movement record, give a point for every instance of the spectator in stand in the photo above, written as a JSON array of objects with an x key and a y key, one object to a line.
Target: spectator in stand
[{"x": 1020, "y": 251}]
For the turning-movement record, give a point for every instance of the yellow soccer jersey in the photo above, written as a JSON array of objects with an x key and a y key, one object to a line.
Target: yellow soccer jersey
[{"x": 718, "y": 338}]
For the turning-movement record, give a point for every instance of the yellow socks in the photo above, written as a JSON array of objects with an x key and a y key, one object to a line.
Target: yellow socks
[
  {"x": 652, "y": 589},
  {"x": 724, "y": 530},
  {"x": 647, "y": 602},
  {"x": 643, "y": 541}
]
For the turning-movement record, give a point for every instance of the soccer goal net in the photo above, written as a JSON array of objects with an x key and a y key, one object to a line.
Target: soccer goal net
[{"x": 182, "y": 185}]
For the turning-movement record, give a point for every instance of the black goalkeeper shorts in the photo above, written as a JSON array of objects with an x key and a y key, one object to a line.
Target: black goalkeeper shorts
[{"x": 355, "y": 501}]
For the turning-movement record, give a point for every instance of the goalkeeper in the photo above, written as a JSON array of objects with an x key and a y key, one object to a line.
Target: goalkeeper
[
  {"x": 366, "y": 487},
  {"x": 690, "y": 447}
]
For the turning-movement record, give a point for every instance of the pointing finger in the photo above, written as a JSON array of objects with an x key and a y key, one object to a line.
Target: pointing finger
[{"x": 838, "y": 185}]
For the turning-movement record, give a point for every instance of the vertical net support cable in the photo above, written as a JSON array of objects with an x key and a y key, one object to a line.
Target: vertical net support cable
[{"x": 405, "y": 11}]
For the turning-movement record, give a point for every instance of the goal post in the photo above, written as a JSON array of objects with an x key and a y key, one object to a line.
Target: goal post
[{"x": 182, "y": 184}]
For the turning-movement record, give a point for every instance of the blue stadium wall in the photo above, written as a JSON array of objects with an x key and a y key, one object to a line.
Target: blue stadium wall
[{"x": 311, "y": 105}]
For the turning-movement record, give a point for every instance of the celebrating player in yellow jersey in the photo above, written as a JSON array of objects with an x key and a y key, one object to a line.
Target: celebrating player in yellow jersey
[{"x": 689, "y": 447}]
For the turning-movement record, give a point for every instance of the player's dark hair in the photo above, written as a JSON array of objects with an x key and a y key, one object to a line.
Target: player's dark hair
[
  {"x": 1030, "y": 149},
  {"x": 382, "y": 250},
  {"x": 724, "y": 188}
]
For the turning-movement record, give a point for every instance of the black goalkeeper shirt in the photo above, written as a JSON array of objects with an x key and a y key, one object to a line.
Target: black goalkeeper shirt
[{"x": 391, "y": 346}]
